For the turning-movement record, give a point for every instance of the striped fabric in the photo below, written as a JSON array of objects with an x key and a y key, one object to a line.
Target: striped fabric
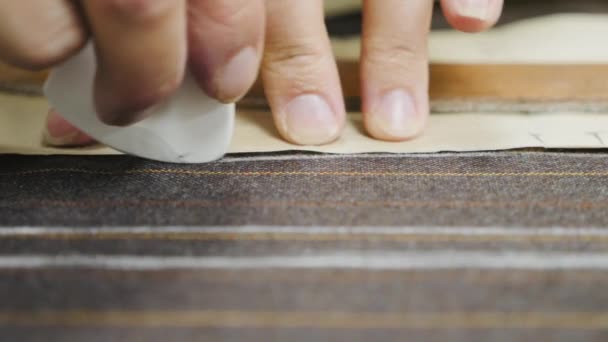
[{"x": 305, "y": 247}]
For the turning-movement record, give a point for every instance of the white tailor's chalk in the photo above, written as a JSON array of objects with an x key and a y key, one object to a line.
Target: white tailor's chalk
[{"x": 189, "y": 127}]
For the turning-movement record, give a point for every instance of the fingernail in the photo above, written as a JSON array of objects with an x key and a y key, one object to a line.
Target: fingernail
[
  {"x": 59, "y": 132},
  {"x": 395, "y": 117},
  {"x": 309, "y": 120},
  {"x": 476, "y": 9},
  {"x": 237, "y": 75}
]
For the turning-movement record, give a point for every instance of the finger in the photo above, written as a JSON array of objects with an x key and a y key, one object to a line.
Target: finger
[
  {"x": 59, "y": 132},
  {"x": 226, "y": 39},
  {"x": 300, "y": 74},
  {"x": 472, "y": 15},
  {"x": 141, "y": 47},
  {"x": 394, "y": 67},
  {"x": 37, "y": 34}
]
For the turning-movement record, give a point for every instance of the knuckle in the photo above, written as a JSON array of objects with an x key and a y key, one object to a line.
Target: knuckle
[
  {"x": 296, "y": 54},
  {"x": 393, "y": 51},
  {"x": 138, "y": 10},
  {"x": 299, "y": 66},
  {"x": 225, "y": 13}
]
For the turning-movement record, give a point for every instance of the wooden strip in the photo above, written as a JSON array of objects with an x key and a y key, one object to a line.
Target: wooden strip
[
  {"x": 542, "y": 83},
  {"x": 467, "y": 82},
  {"x": 520, "y": 82}
]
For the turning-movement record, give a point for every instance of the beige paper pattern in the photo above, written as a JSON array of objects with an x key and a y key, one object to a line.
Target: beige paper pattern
[{"x": 22, "y": 121}]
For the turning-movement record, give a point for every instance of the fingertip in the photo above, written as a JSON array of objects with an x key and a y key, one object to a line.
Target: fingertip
[
  {"x": 59, "y": 132},
  {"x": 309, "y": 119},
  {"x": 226, "y": 41},
  {"x": 472, "y": 15},
  {"x": 468, "y": 25},
  {"x": 230, "y": 82},
  {"x": 395, "y": 116}
]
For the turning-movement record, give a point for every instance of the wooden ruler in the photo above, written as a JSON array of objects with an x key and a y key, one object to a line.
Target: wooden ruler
[{"x": 507, "y": 83}]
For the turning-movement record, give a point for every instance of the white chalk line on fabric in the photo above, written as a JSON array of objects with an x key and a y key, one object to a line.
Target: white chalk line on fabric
[
  {"x": 311, "y": 230},
  {"x": 372, "y": 261}
]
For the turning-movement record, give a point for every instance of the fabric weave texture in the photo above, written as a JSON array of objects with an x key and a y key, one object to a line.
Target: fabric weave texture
[{"x": 294, "y": 246}]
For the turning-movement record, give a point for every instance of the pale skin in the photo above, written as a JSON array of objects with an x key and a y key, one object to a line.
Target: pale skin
[{"x": 145, "y": 46}]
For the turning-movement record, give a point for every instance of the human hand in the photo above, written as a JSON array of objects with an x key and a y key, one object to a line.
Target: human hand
[{"x": 144, "y": 47}]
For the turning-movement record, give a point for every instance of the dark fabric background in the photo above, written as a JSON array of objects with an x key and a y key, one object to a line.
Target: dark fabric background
[
  {"x": 492, "y": 189},
  {"x": 506, "y": 190}
]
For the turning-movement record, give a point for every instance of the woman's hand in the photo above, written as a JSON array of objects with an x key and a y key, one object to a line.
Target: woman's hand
[{"x": 145, "y": 46}]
